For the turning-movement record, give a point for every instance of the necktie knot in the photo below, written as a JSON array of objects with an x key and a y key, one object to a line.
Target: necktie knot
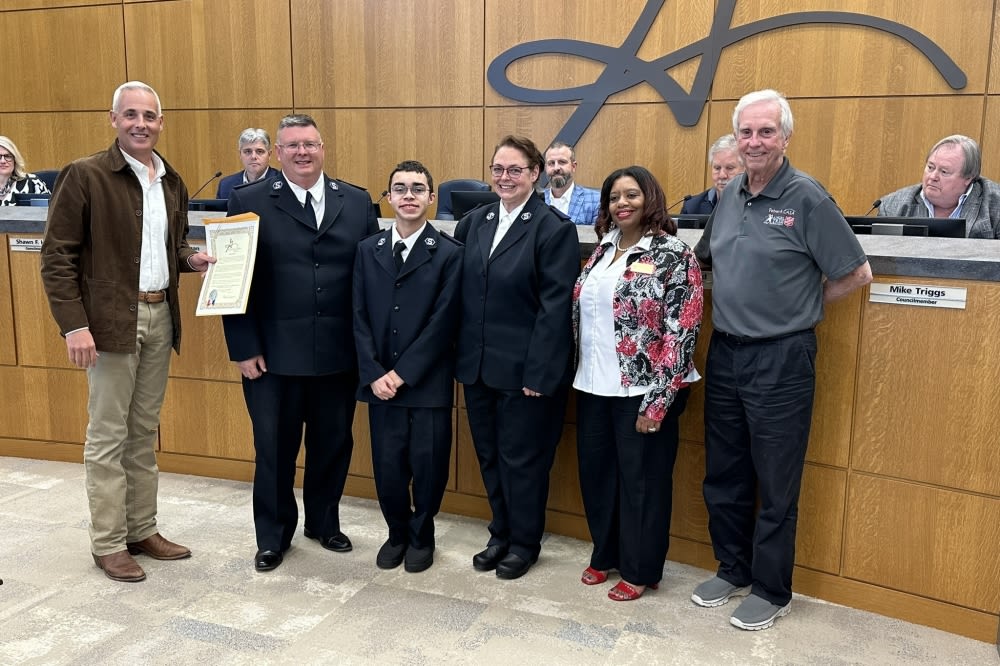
[
  {"x": 309, "y": 210},
  {"x": 397, "y": 253}
]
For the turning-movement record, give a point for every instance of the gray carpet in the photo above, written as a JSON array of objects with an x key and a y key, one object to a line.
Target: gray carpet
[{"x": 320, "y": 607}]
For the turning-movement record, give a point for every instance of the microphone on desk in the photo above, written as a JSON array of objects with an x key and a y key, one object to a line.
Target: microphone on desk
[
  {"x": 195, "y": 195},
  {"x": 875, "y": 205},
  {"x": 378, "y": 204},
  {"x": 679, "y": 201},
  {"x": 385, "y": 193}
]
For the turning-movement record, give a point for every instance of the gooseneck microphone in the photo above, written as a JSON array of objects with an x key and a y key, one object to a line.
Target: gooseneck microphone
[
  {"x": 385, "y": 193},
  {"x": 679, "y": 201},
  {"x": 195, "y": 195},
  {"x": 875, "y": 205}
]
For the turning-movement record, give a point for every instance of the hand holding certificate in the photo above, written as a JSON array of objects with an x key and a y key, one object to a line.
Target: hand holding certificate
[{"x": 233, "y": 242}]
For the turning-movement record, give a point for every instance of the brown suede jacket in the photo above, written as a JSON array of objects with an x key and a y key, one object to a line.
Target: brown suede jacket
[{"x": 90, "y": 254}]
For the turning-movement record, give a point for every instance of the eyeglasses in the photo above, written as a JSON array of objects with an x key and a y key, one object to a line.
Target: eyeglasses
[
  {"x": 308, "y": 146},
  {"x": 417, "y": 188},
  {"x": 514, "y": 171},
  {"x": 6, "y": 157}
]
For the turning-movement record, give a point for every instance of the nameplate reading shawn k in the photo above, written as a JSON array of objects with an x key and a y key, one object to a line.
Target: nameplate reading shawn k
[
  {"x": 921, "y": 295},
  {"x": 233, "y": 242}
]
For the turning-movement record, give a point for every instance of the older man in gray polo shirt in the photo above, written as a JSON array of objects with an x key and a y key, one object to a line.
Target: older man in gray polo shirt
[{"x": 779, "y": 248}]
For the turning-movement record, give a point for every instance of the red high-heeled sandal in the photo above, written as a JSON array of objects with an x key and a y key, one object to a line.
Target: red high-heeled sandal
[
  {"x": 625, "y": 592},
  {"x": 592, "y": 576}
]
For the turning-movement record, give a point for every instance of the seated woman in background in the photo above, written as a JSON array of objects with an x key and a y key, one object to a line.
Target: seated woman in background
[
  {"x": 726, "y": 164},
  {"x": 14, "y": 178},
  {"x": 637, "y": 309}
]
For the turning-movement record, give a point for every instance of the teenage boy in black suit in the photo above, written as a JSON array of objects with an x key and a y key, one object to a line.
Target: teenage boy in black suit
[{"x": 406, "y": 302}]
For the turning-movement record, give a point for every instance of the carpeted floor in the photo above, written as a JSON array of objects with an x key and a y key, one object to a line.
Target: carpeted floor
[{"x": 320, "y": 607}]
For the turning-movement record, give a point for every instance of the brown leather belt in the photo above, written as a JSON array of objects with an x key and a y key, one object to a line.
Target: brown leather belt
[{"x": 153, "y": 296}]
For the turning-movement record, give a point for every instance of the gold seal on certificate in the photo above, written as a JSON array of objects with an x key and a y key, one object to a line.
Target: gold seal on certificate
[{"x": 233, "y": 242}]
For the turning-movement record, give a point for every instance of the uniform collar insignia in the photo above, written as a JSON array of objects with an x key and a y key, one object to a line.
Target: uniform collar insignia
[
  {"x": 381, "y": 242},
  {"x": 525, "y": 216},
  {"x": 277, "y": 185},
  {"x": 333, "y": 186},
  {"x": 430, "y": 242},
  {"x": 490, "y": 215}
]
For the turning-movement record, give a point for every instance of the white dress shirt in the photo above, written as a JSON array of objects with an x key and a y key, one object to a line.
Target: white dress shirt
[
  {"x": 598, "y": 371},
  {"x": 506, "y": 221},
  {"x": 408, "y": 241},
  {"x": 317, "y": 190},
  {"x": 154, "y": 272},
  {"x": 562, "y": 203}
]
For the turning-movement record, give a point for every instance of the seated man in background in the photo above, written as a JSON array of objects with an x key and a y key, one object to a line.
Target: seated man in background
[
  {"x": 951, "y": 187},
  {"x": 576, "y": 201},
  {"x": 726, "y": 164},
  {"x": 255, "y": 153}
]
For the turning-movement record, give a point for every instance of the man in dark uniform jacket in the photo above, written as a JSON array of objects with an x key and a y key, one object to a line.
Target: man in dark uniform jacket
[
  {"x": 406, "y": 287},
  {"x": 295, "y": 344}
]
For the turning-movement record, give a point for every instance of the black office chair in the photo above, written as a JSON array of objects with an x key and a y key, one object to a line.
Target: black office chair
[
  {"x": 48, "y": 176},
  {"x": 445, "y": 189}
]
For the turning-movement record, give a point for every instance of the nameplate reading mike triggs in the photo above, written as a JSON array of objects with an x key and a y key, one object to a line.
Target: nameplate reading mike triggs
[
  {"x": 921, "y": 295},
  {"x": 233, "y": 243}
]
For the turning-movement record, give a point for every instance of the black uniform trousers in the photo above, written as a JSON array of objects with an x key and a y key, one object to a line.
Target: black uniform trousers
[
  {"x": 280, "y": 406},
  {"x": 515, "y": 438},
  {"x": 626, "y": 479},
  {"x": 758, "y": 410},
  {"x": 410, "y": 444}
]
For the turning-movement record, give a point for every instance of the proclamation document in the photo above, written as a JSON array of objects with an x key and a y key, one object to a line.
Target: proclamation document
[{"x": 233, "y": 242}]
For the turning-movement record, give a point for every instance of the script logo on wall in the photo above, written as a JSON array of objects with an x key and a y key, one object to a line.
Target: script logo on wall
[{"x": 624, "y": 69}]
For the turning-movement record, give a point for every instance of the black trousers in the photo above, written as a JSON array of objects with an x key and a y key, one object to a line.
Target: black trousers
[
  {"x": 280, "y": 406},
  {"x": 758, "y": 410},
  {"x": 410, "y": 444},
  {"x": 515, "y": 437},
  {"x": 626, "y": 479}
]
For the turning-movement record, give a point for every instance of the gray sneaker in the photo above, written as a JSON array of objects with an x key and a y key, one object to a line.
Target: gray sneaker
[
  {"x": 715, "y": 592},
  {"x": 757, "y": 613}
]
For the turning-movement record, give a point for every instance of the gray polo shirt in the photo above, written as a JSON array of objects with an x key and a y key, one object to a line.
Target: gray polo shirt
[{"x": 769, "y": 254}]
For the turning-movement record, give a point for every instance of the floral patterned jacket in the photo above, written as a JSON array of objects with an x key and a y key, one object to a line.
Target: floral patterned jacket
[{"x": 657, "y": 310}]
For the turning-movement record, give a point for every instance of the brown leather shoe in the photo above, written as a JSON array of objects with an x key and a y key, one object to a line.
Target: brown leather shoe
[
  {"x": 120, "y": 566},
  {"x": 159, "y": 548}
]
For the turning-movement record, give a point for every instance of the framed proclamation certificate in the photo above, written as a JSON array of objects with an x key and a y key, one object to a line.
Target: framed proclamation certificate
[{"x": 233, "y": 243}]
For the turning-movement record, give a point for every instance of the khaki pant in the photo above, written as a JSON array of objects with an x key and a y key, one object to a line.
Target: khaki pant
[{"x": 126, "y": 393}]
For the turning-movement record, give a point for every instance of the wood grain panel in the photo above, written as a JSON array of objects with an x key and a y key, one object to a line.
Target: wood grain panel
[
  {"x": 990, "y": 144},
  {"x": 17, "y": 5},
  {"x": 620, "y": 136},
  {"x": 363, "y": 146},
  {"x": 820, "y": 532},
  {"x": 928, "y": 408},
  {"x": 39, "y": 342},
  {"x": 68, "y": 59},
  {"x": 200, "y": 143},
  {"x": 229, "y": 54},
  {"x": 678, "y": 23},
  {"x": 204, "y": 354},
  {"x": 564, "y": 478},
  {"x": 861, "y": 149},
  {"x": 207, "y": 419},
  {"x": 689, "y": 517},
  {"x": 387, "y": 53},
  {"x": 52, "y": 140},
  {"x": 8, "y": 349},
  {"x": 43, "y": 404},
  {"x": 468, "y": 480},
  {"x": 927, "y": 541},
  {"x": 842, "y": 60},
  {"x": 361, "y": 458}
]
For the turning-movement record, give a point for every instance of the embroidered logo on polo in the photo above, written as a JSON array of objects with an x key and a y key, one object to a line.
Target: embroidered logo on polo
[{"x": 784, "y": 217}]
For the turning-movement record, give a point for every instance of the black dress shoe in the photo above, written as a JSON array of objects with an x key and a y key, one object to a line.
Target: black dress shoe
[
  {"x": 266, "y": 560},
  {"x": 389, "y": 556},
  {"x": 418, "y": 559},
  {"x": 338, "y": 543},
  {"x": 513, "y": 566},
  {"x": 488, "y": 559}
]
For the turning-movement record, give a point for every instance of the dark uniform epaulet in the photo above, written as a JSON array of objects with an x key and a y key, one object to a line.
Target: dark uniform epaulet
[
  {"x": 559, "y": 213},
  {"x": 344, "y": 182},
  {"x": 451, "y": 238}
]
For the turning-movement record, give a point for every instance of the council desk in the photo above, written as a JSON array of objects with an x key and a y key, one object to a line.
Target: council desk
[{"x": 900, "y": 508}]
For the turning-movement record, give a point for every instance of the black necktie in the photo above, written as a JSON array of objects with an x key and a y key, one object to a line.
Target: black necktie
[
  {"x": 397, "y": 253},
  {"x": 309, "y": 210}
]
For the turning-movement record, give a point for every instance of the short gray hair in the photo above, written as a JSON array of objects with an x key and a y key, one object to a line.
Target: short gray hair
[
  {"x": 766, "y": 95},
  {"x": 135, "y": 85},
  {"x": 724, "y": 144},
  {"x": 973, "y": 160},
  {"x": 253, "y": 135}
]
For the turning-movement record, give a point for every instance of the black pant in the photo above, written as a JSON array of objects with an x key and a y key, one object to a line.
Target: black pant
[
  {"x": 626, "y": 479},
  {"x": 280, "y": 406},
  {"x": 758, "y": 409},
  {"x": 410, "y": 444},
  {"x": 515, "y": 438}
]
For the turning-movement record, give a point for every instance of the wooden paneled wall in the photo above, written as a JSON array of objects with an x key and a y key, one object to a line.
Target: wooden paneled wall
[{"x": 390, "y": 81}]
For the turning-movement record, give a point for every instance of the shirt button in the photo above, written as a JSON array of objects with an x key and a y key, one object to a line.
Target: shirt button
[
  {"x": 395, "y": 308},
  {"x": 132, "y": 308},
  {"x": 395, "y": 331},
  {"x": 135, "y": 260},
  {"x": 398, "y": 284},
  {"x": 138, "y": 213}
]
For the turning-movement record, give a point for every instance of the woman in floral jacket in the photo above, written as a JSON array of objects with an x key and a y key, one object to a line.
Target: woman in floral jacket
[{"x": 637, "y": 308}]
